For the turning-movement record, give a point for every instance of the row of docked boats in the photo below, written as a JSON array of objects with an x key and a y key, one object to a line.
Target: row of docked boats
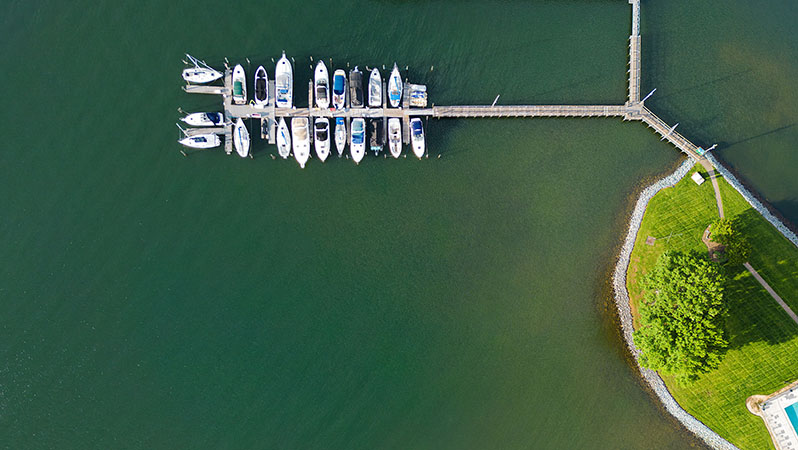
[
  {"x": 299, "y": 137},
  {"x": 345, "y": 91}
]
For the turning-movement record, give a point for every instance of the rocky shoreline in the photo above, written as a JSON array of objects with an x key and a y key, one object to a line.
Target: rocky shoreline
[{"x": 625, "y": 312}]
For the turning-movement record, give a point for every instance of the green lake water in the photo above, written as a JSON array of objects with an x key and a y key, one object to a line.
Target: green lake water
[{"x": 155, "y": 301}]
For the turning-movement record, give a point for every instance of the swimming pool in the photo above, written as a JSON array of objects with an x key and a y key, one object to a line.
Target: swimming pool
[{"x": 792, "y": 413}]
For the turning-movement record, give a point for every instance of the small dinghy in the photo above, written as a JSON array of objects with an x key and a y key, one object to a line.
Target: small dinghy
[
  {"x": 395, "y": 87},
  {"x": 208, "y": 140},
  {"x": 395, "y": 137},
  {"x": 321, "y": 138},
  {"x": 284, "y": 83},
  {"x": 356, "y": 88},
  {"x": 241, "y": 138},
  {"x": 339, "y": 89},
  {"x": 283, "y": 139},
  {"x": 203, "y": 119},
  {"x": 340, "y": 135},
  {"x": 377, "y": 136},
  {"x": 357, "y": 146},
  {"x": 375, "y": 88},
  {"x": 321, "y": 84},
  {"x": 261, "y": 87},
  {"x": 201, "y": 73},
  {"x": 300, "y": 135},
  {"x": 239, "y": 85},
  {"x": 417, "y": 136}
]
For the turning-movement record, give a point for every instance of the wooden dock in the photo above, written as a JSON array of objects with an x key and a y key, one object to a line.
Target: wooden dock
[{"x": 633, "y": 109}]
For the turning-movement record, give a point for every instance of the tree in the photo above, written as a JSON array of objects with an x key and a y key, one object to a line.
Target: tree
[
  {"x": 727, "y": 233},
  {"x": 682, "y": 316}
]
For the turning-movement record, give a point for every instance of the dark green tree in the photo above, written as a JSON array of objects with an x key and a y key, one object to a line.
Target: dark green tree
[
  {"x": 726, "y": 232},
  {"x": 682, "y": 316}
]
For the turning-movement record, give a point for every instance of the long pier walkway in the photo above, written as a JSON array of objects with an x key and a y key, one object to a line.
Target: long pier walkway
[{"x": 633, "y": 109}]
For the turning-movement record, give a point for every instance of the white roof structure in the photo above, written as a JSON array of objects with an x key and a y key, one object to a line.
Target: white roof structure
[{"x": 699, "y": 180}]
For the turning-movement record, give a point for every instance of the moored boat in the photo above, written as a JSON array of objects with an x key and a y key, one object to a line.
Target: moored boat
[
  {"x": 375, "y": 88},
  {"x": 339, "y": 89},
  {"x": 283, "y": 139},
  {"x": 340, "y": 135},
  {"x": 261, "y": 87},
  {"x": 377, "y": 140},
  {"x": 417, "y": 137},
  {"x": 356, "y": 88},
  {"x": 321, "y": 138},
  {"x": 203, "y": 119},
  {"x": 241, "y": 138},
  {"x": 239, "y": 85},
  {"x": 321, "y": 84},
  {"x": 395, "y": 87},
  {"x": 300, "y": 136},
  {"x": 395, "y": 136},
  {"x": 284, "y": 84},
  {"x": 357, "y": 145},
  {"x": 208, "y": 140},
  {"x": 201, "y": 73}
]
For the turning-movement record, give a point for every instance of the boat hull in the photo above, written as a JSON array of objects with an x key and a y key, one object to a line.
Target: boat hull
[
  {"x": 375, "y": 88},
  {"x": 340, "y": 135},
  {"x": 202, "y": 119},
  {"x": 395, "y": 87},
  {"x": 321, "y": 138},
  {"x": 201, "y": 75},
  {"x": 300, "y": 136},
  {"x": 339, "y": 89},
  {"x": 357, "y": 143},
  {"x": 209, "y": 140},
  {"x": 417, "y": 137},
  {"x": 321, "y": 86},
  {"x": 284, "y": 84},
  {"x": 283, "y": 139},
  {"x": 239, "y": 85},
  {"x": 241, "y": 138},
  {"x": 395, "y": 137},
  {"x": 261, "y": 87}
]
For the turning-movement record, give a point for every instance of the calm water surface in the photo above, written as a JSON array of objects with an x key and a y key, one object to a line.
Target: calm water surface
[{"x": 157, "y": 301}]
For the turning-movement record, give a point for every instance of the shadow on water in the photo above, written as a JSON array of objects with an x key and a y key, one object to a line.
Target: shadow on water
[{"x": 724, "y": 145}]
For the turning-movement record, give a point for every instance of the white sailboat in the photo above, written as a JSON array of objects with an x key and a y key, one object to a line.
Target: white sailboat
[
  {"x": 417, "y": 137},
  {"x": 375, "y": 88},
  {"x": 204, "y": 119},
  {"x": 241, "y": 138},
  {"x": 395, "y": 87},
  {"x": 357, "y": 146},
  {"x": 261, "y": 87},
  {"x": 283, "y": 139},
  {"x": 395, "y": 136},
  {"x": 239, "y": 85},
  {"x": 321, "y": 84},
  {"x": 321, "y": 138},
  {"x": 340, "y": 135},
  {"x": 201, "y": 73},
  {"x": 208, "y": 140},
  {"x": 284, "y": 83},
  {"x": 300, "y": 135},
  {"x": 339, "y": 89}
]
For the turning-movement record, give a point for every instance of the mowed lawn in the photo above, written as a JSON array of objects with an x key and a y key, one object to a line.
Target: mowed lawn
[{"x": 763, "y": 351}]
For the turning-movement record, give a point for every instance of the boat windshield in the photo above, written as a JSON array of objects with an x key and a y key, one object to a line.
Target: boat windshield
[
  {"x": 417, "y": 128},
  {"x": 357, "y": 138},
  {"x": 321, "y": 91},
  {"x": 200, "y": 139},
  {"x": 321, "y": 134},
  {"x": 338, "y": 84}
]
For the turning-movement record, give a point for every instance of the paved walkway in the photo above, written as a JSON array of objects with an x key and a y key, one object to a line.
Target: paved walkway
[
  {"x": 772, "y": 292},
  {"x": 712, "y": 177}
]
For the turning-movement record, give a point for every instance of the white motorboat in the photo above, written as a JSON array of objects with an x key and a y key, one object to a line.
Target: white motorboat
[
  {"x": 417, "y": 137},
  {"x": 201, "y": 73},
  {"x": 357, "y": 146},
  {"x": 241, "y": 138},
  {"x": 203, "y": 119},
  {"x": 283, "y": 139},
  {"x": 321, "y": 84},
  {"x": 395, "y": 87},
  {"x": 284, "y": 84},
  {"x": 239, "y": 85},
  {"x": 395, "y": 136},
  {"x": 208, "y": 140},
  {"x": 339, "y": 89},
  {"x": 300, "y": 135},
  {"x": 261, "y": 87},
  {"x": 340, "y": 135},
  {"x": 375, "y": 88},
  {"x": 321, "y": 138}
]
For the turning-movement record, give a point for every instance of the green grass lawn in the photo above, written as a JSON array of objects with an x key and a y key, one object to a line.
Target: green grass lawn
[{"x": 763, "y": 351}]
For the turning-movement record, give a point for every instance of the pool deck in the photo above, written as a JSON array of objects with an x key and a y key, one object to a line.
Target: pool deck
[{"x": 771, "y": 409}]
